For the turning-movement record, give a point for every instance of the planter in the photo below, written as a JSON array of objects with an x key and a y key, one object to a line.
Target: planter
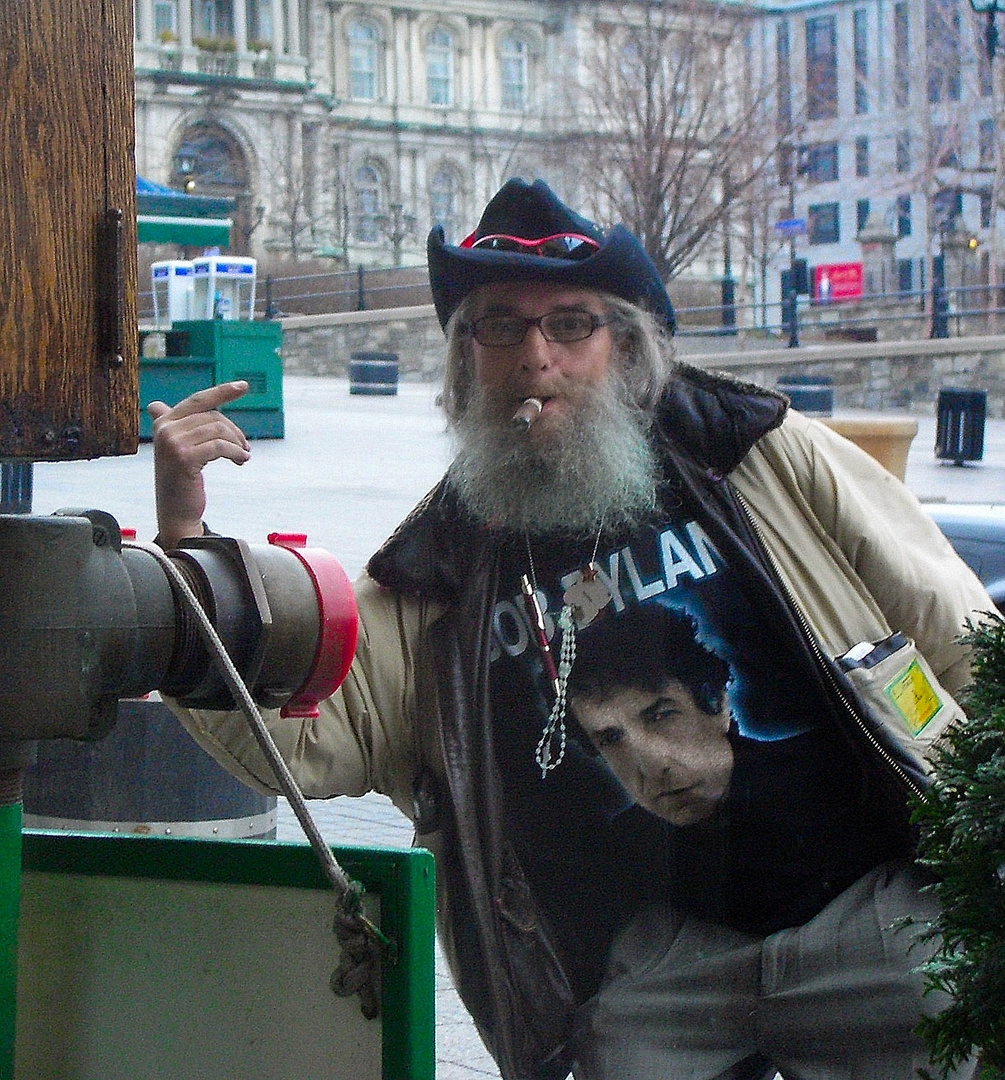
[{"x": 886, "y": 438}]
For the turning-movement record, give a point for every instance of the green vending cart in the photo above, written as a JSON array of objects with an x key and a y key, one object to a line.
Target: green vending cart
[{"x": 202, "y": 352}]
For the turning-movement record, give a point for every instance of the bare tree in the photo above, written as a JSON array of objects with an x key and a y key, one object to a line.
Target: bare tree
[
  {"x": 292, "y": 157},
  {"x": 680, "y": 128}
]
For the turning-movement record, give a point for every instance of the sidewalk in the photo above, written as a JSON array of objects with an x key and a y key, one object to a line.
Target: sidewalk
[{"x": 349, "y": 469}]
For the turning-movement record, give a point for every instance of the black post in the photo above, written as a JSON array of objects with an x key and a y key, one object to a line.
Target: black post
[
  {"x": 729, "y": 304},
  {"x": 940, "y": 299},
  {"x": 16, "y": 484},
  {"x": 790, "y": 306},
  {"x": 270, "y": 308},
  {"x": 360, "y": 292},
  {"x": 793, "y": 302}
]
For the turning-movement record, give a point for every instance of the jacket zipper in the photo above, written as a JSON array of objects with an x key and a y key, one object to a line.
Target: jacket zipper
[{"x": 903, "y": 775}]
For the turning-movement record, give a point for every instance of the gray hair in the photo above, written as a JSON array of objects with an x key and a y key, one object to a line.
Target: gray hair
[{"x": 643, "y": 353}]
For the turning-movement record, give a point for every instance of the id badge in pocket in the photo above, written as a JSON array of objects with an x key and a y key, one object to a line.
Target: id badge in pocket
[{"x": 897, "y": 682}]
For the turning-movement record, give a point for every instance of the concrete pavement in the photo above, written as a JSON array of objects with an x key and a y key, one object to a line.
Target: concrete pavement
[{"x": 349, "y": 469}]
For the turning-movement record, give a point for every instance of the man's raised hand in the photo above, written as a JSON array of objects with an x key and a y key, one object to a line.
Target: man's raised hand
[{"x": 186, "y": 438}]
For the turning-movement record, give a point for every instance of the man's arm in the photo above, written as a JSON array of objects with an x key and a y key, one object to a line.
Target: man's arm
[
  {"x": 186, "y": 438},
  {"x": 870, "y": 520}
]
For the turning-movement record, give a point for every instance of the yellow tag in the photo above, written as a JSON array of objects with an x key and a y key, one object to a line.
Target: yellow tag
[{"x": 914, "y": 697}]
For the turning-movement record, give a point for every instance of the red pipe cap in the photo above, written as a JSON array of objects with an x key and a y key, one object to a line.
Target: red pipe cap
[{"x": 339, "y": 625}]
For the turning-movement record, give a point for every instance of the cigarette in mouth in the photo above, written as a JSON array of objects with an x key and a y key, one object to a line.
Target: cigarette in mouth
[{"x": 528, "y": 412}]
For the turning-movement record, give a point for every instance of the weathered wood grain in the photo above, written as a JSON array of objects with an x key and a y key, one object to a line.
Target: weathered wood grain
[{"x": 66, "y": 160}]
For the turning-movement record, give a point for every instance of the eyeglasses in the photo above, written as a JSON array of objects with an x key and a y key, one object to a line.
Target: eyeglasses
[
  {"x": 557, "y": 246},
  {"x": 497, "y": 331}
]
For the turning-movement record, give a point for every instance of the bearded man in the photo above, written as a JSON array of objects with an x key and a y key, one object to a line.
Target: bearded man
[{"x": 705, "y": 877}]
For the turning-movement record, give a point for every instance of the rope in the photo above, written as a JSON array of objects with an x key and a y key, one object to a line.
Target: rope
[{"x": 360, "y": 939}]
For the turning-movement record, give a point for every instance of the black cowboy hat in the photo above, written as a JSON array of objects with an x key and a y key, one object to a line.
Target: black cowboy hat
[{"x": 559, "y": 247}]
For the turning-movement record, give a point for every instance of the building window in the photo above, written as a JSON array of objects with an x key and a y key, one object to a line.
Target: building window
[
  {"x": 166, "y": 19},
  {"x": 824, "y": 223},
  {"x": 905, "y": 275},
  {"x": 821, "y": 67},
  {"x": 784, "y": 78},
  {"x": 218, "y": 167},
  {"x": 903, "y": 155},
  {"x": 215, "y": 19},
  {"x": 363, "y": 41},
  {"x": 259, "y": 25},
  {"x": 903, "y": 212},
  {"x": 368, "y": 204},
  {"x": 861, "y": 46},
  {"x": 901, "y": 54},
  {"x": 861, "y": 214},
  {"x": 514, "y": 68},
  {"x": 444, "y": 201},
  {"x": 439, "y": 67},
  {"x": 945, "y": 147},
  {"x": 821, "y": 163},
  {"x": 862, "y": 156},
  {"x": 986, "y": 143},
  {"x": 947, "y": 206},
  {"x": 942, "y": 31},
  {"x": 985, "y": 209}
]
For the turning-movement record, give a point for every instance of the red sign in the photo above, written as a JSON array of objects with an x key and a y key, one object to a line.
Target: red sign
[{"x": 837, "y": 281}]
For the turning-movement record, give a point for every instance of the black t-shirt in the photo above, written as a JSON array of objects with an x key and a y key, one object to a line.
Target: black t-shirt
[{"x": 799, "y": 823}]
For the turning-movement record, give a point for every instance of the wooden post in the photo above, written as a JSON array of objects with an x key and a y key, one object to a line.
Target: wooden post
[{"x": 68, "y": 324}]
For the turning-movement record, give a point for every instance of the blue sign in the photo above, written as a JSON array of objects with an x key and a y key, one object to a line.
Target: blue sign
[{"x": 791, "y": 226}]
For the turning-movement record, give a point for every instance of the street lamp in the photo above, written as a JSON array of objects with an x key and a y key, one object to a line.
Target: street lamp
[
  {"x": 989, "y": 8},
  {"x": 185, "y": 160}
]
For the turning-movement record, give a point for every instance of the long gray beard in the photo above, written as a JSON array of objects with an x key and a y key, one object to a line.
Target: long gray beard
[{"x": 597, "y": 471}]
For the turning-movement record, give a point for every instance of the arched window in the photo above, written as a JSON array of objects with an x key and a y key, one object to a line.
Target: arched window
[
  {"x": 514, "y": 68},
  {"x": 209, "y": 158},
  {"x": 363, "y": 42},
  {"x": 444, "y": 201},
  {"x": 440, "y": 67},
  {"x": 368, "y": 204}
]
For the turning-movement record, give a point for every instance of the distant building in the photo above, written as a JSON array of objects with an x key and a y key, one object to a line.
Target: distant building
[
  {"x": 892, "y": 121},
  {"x": 345, "y": 130}
]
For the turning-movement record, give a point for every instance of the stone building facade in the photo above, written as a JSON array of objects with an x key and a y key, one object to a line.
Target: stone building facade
[{"x": 344, "y": 130}]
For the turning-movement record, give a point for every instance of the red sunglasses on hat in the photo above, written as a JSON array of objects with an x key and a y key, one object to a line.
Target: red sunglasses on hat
[{"x": 556, "y": 246}]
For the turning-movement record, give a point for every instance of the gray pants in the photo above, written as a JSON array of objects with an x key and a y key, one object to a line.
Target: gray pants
[{"x": 836, "y": 999}]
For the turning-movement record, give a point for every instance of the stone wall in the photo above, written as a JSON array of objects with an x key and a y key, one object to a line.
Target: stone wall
[
  {"x": 866, "y": 375},
  {"x": 323, "y": 344},
  {"x": 880, "y": 376}
]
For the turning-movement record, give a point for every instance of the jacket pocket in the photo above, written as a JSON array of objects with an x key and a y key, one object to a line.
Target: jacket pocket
[{"x": 901, "y": 691}]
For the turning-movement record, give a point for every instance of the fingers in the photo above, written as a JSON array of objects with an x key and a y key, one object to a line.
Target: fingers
[
  {"x": 194, "y": 441},
  {"x": 186, "y": 438},
  {"x": 213, "y": 397},
  {"x": 194, "y": 432}
]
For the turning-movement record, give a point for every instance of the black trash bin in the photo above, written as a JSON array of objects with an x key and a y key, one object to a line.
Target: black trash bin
[
  {"x": 373, "y": 373},
  {"x": 810, "y": 394},
  {"x": 959, "y": 429}
]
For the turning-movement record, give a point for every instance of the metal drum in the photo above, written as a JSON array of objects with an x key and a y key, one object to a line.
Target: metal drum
[
  {"x": 373, "y": 373},
  {"x": 146, "y": 776}
]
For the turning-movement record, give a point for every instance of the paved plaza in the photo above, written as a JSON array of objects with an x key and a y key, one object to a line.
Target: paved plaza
[{"x": 348, "y": 470}]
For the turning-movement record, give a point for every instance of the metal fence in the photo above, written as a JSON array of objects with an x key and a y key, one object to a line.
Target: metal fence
[{"x": 939, "y": 312}]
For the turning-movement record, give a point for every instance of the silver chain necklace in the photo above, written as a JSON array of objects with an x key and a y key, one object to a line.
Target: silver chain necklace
[{"x": 582, "y": 602}]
